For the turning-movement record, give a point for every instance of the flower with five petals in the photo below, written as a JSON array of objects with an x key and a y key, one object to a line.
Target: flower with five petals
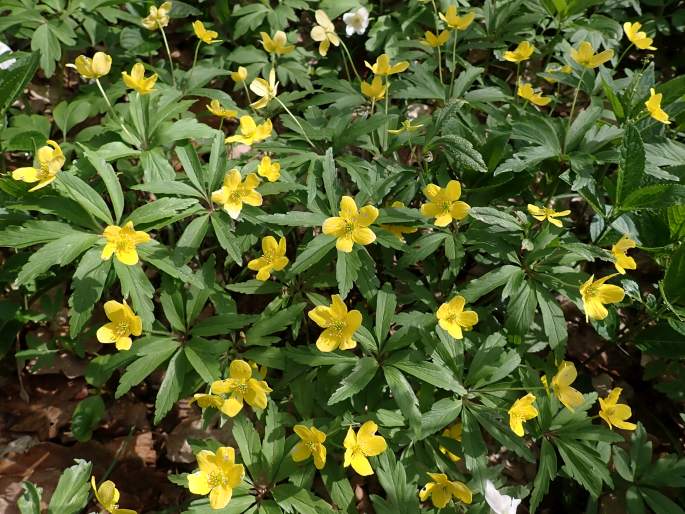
[
  {"x": 241, "y": 387},
  {"x": 383, "y": 68},
  {"x": 50, "y": 162},
  {"x": 324, "y": 32},
  {"x": 586, "y": 56},
  {"x": 434, "y": 40},
  {"x": 137, "y": 80},
  {"x": 122, "y": 241},
  {"x": 338, "y": 323},
  {"x": 273, "y": 258},
  {"x": 271, "y": 170},
  {"x": 561, "y": 385},
  {"x": 358, "y": 447},
  {"x": 595, "y": 293},
  {"x": 219, "y": 110},
  {"x": 265, "y": 90},
  {"x": 94, "y": 68},
  {"x": 158, "y": 17},
  {"x": 235, "y": 192},
  {"x": 653, "y": 105},
  {"x": 615, "y": 414},
  {"x": 521, "y": 53},
  {"x": 375, "y": 90},
  {"x": 637, "y": 37},
  {"x": 453, "y": 432},
  {"x": 206, "y": 36},
  {"x": 454, "y": 319},
  {"x": 356, "y": 22},
  {"x": 441, "y": 491},
  {"x": 240, "y": 75},
  {"x": 278, "y": 45},
  {"x": 522, "y": 410},
  {"x": 543, "y": 213},
  {"x": 310, "y": 445},
  {"x": 526, "y": 91},
  {"x": 351, "y": 225},
  {"x": 457, "y": 22},
  {"x": 444, "y": 204},
  {"x": 250, "y": 132},
  {"x": 218, "y": 475},
  {"x": 622, "y": 260},
  {"x": 123, "y": 323}
]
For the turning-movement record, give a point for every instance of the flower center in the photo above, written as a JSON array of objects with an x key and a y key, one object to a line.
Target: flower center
[
  {"x": 216, "y": 478},
  {"x": 338, "y": 327},
  {"x": 311, "y": 445},
  {"x": 349, "y": 228},
  {"x": 122, "y": 329},
  {"x": 235, "y": 196},
  {"x": 124, "y": 243},
  {"x": 446, "y": 206},
  {"x": 240, "y": 387},
  {"x": 268, "y": 257}
]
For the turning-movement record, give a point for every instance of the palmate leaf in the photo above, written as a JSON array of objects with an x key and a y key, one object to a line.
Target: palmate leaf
[
  {"x": 71, "y": 493},
  {"x": 87, "y": 286}
]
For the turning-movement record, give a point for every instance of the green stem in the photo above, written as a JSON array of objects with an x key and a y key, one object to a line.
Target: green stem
[
  {"x": 197, "y": 50},
  {"x": 623, "y": 55},
  {"x": 113, "y": 112},
  {"x": 296, "y": 121},
  {"x": 349, "y": 58},
  {"x": 168, "y": 52},
  {"x": 575, "y": 99},
  {"x": 439, "y": 64},
  {"x": 387, "y": 102},
  {"x": 247, "y": 92},
  {"x": 454, "y": 62}
]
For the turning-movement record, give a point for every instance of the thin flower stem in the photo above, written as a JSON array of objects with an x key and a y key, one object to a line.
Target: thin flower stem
[
  {"x": 349, "y": 57},
  {"x": 439, "y": 64},
  {"x": 247, "y": 92},
  {"x": 623, "y": 55},
  {"x": 296, "y": 121},
  {"x": 114, "y": 113},
  {"x": 221, "y": 123},
  {"x": 437, "y": 33},
  {"x": 168, "y": 52},
  {"x": 575, "y": 99},
  {"x": 387, "y": 102},
  {"x": 454, "y": 62},
  {"x": 516, "y": 84}
]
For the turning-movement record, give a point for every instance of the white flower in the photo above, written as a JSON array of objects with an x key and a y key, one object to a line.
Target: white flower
[
  {"x": 356, "y": 21},
  {"x": 9, "y": 62},
  {"x": 500, "y": 503}
]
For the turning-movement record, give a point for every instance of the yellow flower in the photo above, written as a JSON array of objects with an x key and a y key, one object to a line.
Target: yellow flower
[
  {"x": 324, "y": 32},
  {"x": 596, "y": 293},
  {"x": 441, "y": 491},
  {"x": 50, "y": 162},
  {"x": 454, "y": 319},
  {"x": 620, "y": 252},
  {"x": 566, "y": 69},
  {"x": 637, "y": 37},
  {"x": 122, "y": 242},
  {"x": 561, "y": 385},
  {"x": 204, "y": 35},
  {"x": 267, "y": 91},
  {"x": 526, "y": 91},
  {"x": 218, "y": 475},
  {"x": 241, "y": 386},
  {"x": 208, "y": 400},
  {"x": 406, "y": 127},
  {"x": 434, "y": 41},
  {"x": 123, "y": 323},
  {"x": 235, "y": 192},
  {"x": 444, "y": 204},
  {"x": 586, "y": 56},
  {"x": 269, "y": 170},
  {"x": 94, "y": 68},
  {"x": 250, "y": 132},
  {"x": 521, "y": 411},
  {"x": 137, "y": 80},
  {"x": 158, "y": 17},
  {"x": 543, "y": 213},
  {"x": 351, "y": 225},
  {"x": 376, "y": 90},
  {"x": 615, "y": 414},
  {"x": 521, "y": 53},
  {"x": 310, "y": 444},
  {"x": 240, "y": 75},
  {"x": 217, "y": 109},
  {"x": 273, "y": 258},
  {"x": 457, "y": 22},
  {"x": 654, "y": 107},
  {"x": 453, "y": 432},
  {"x": 365, "y": 443},
  {"x": 383, "y": 68},
  {"x": 400, "y": 230},
  {"x": 108, "y": 496},
  {"x": 339, "y": 325},
  {"x": 278, "y": 45}
]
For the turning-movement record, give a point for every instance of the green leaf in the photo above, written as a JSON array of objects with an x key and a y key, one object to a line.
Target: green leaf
[
  {"x": 73, "y": 488},
  {"x": 501, "y": 432},
  {"x": 460, "y": 152},
  {"x": 660, "y": 503},
  {"x": 404, "y": 397},
  {"x": 673, "y": 285},
  {"x": 294, "y": 219},
  {"x": 273, "y": 445},
  {"x": 547, "y": 471},
  {"x": 431, "y": 373},
  {"x": 655, "y": 196},
  {"x": 45, "y": 42},
  {"x": 271, "y": 323},
  {"x": 386, "y": 302},
  {"x": 580, "y": 126},
  {"x": 255, "y": 286},
  {"x": 584, "y": 464},
  {"x": 69, "y": 114},
  {"x": 631, "y": 166},
  {"x": 186, "y": 128},
  {"x": 315, "y": 250},
  {"x": 34, "y": 232},
  {"x": 156, "y": 167},
  {"x": 137, "y": 371},
  {"x": 224, "y": 234},
  {"x": 203, "y": 358},
  {"x": 661, "y": 340},
  {"x": 553, "y": 320},
  {"x": 522, "y": 305},
  {"x": 293, "y": 499},
  {"x": 73, "y": 187},
  {"x": 191, "y": 239},
  {"x": 86, "y": 417},
  {"x": 136, "y": 285},
  {"x": 161, "y": 258},
  {"x": 29, "y": 501},
  {"x": 364, "y": 370},
  {"x": 87, "y": 285},
  {"x": 59, "y": 252},
  {"x": 496, "y": 217},
  {"x": 248, "y": 443},
  {"x": 442, "y": 413},
  {"x": 192, "y": 165},
  {"x": 222, "y": 324},
  {"x": 346, "y": 271},
  {"x": 153, "y": 213},
  {"x": 168, "y": 187},
  {"x": 471, "y": 440},
  {"x": 330, "y": 181},
  {"x": 14, "y": 80},
  {"x": 110, "y": 179},
  {"x": 422, "y": 248},
  {"x": 171, "y": 386}
]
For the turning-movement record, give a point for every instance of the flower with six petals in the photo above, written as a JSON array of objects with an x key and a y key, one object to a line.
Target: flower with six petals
[
  {"x": 358, "y": 447},
  {"x": 218, "y": 475},
  {"x": 324, "y": 32},
  {"x": 637, "y": 37},
  {"x": 543, "y": 213},
  {"x": 250, "y": 132},
  {"x": 444, "y": 204},
  {"x": 241, "y": 387},
  {"x": 273, "y": 258},
  {"x": 351, "y": 225},
  {"x": 375, "y": 90},
  {"x": 278, "y": 45},
  {"x": 586, "y": 56},
  {"x": 206, "y": 36},
  {"x": 338, "y": 323},
  {"x": 615, "y": 414},
  {"x": 310, "y": 445},
  {"x": 137, "y": 80},
  {"x": 561, "y": 385},
  {"x": 653, "y": 105},
  {"x": 270, "y": 170},
  {"x": 107, "y": 495},
  {"x": 442, "y": 490},
  {"x": 50, "y": 162},
  {"x": 235, "y": 192},
  {"x": 123, "y": 323},
  {"x": 522, "y": 410},
  {"x": 622, "y": 260},
  {"x": 122, "y": 241},
  {"x": 454, "y": 319},
  {"x": 595, "y": 293},
  {"x": 521, "y": 53}
]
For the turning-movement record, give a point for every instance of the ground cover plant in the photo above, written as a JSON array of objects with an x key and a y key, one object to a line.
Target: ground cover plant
[{"x": 329, "y": 256}]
